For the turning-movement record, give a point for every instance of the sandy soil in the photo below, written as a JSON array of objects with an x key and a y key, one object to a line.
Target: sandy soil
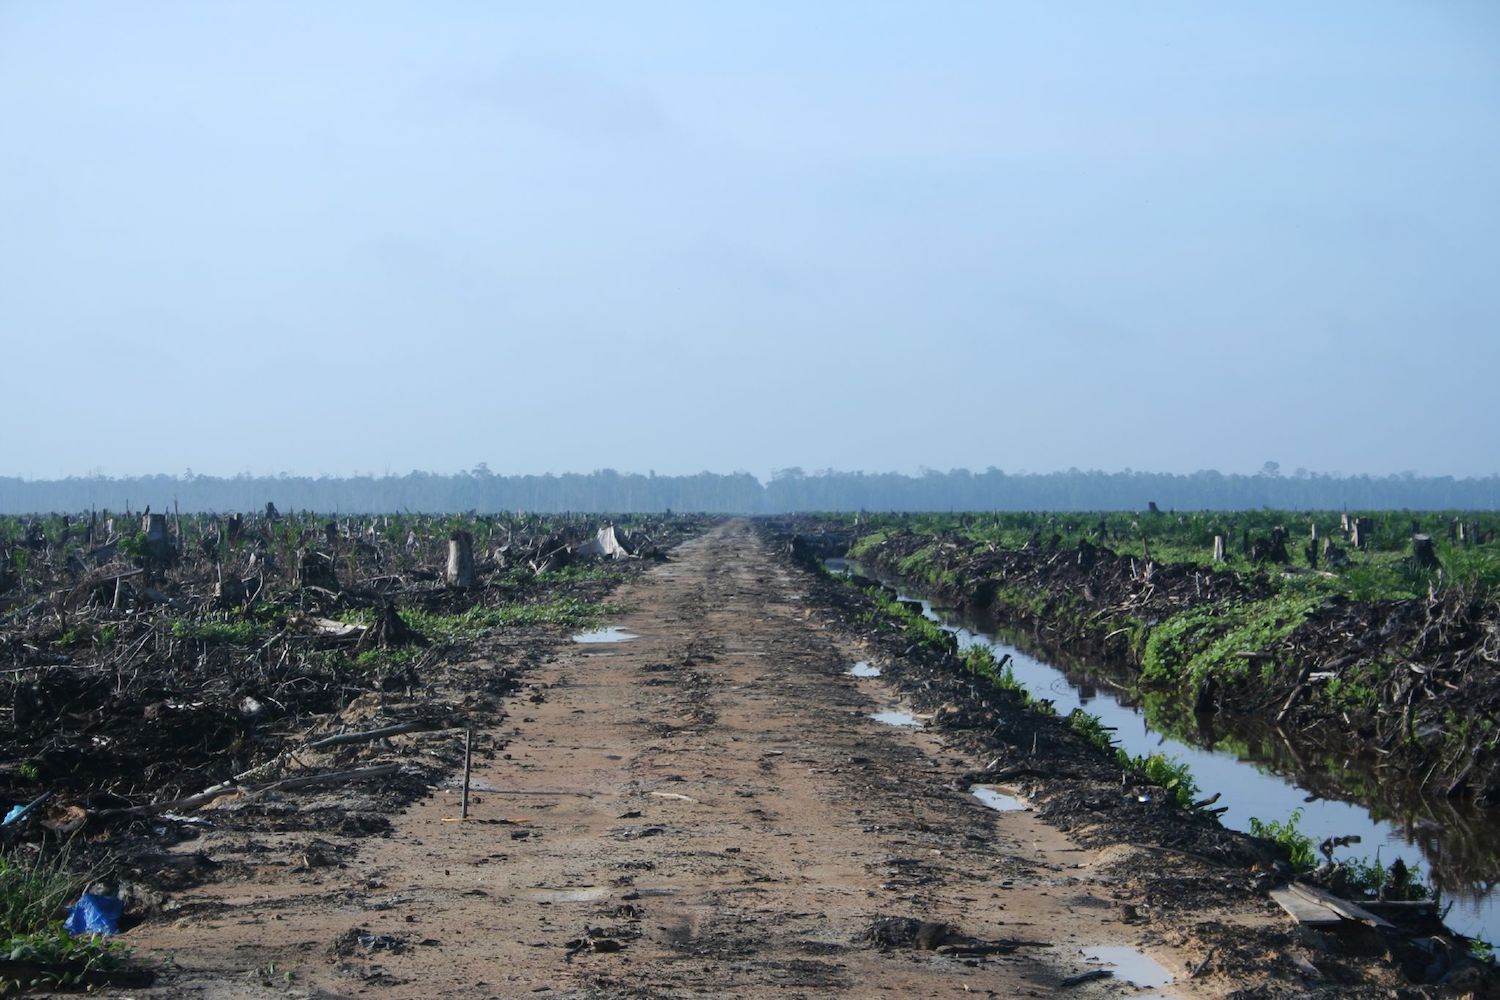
[{"x": 706, "y": 810}]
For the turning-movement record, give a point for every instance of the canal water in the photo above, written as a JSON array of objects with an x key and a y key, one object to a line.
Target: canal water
[{"x": 1252, "y": 786}]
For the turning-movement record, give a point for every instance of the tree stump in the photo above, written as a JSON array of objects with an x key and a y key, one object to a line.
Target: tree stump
[
  {"x": 316, "y": 569},
  {"x": 1364, "y": 533},
  {"x": 158, "y": 542},
  {"x": 1423, "y": 553},
  {"x": 390, "y": 629},
  {"x": 1219, "y": 549},
  {"x": 461, "y": 560},
  {"x": 271, "y": 513},
  {"x": 331, "y": 535},
  {"x": 229, "y": 593},
  {"x": 1277, "y": 550}
]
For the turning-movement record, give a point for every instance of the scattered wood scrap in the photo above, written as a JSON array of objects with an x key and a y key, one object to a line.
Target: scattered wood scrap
[{"x": 1314, "y": 907}]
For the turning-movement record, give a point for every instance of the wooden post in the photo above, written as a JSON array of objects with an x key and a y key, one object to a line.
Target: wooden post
[
  {"x": 1422, "y": 551},
  {"x": 468, "y": 759},
  {"x": 1219, "y": 548},
  {"x": 461, "y": 560},
  {"x": 1364, "y": 529}
]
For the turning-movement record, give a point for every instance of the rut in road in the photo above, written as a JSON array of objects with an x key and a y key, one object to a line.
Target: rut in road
[{"x": 707, "y": 809}]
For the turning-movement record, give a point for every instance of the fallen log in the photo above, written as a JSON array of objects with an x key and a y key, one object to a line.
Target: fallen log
[
  {"x": 343, "y": 739},
  {"x": 208, "y": 795}
]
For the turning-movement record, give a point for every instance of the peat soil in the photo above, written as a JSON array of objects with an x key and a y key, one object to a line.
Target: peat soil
[
  {"x": 1429, "y": 664},
  {"x": 710, "y": 809}
]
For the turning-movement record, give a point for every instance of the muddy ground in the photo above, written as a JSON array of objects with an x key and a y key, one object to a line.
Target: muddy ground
[{"x": 710, "y": 810}]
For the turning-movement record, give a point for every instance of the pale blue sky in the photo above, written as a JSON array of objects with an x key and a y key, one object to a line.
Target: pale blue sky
[{"x": 328, "y": 237}]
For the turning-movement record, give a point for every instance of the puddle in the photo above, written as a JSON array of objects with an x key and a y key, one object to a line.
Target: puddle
[
  {"x": 863, "y": 669},
  {"x": 582, "y": 894},
  {"x": 996, "y": 799},
  {"x": 1128, "y": 964},
  {"x": 613, "y": 633},
  {"x": 894, "y": 718}
]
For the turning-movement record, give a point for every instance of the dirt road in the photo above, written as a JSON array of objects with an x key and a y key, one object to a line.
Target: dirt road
[{"x": 706, "y": 810}]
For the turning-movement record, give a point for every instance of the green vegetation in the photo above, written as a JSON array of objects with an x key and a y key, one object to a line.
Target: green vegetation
[
  {"x": 220, "y": 628},
  {"x": 1091, "y": 728},
  {"x": 1214, "y": 640},
  {"x": 1165, "y": 772},
  {"x": 562, "y": 612},
  {"x": 1383, "y": 571},
  {"x": 1298, "y": 845},
  {"x": 34, "y": 894}
]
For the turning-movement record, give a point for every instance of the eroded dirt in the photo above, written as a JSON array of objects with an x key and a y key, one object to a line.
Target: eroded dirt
[{"x": 706, "y": 810}]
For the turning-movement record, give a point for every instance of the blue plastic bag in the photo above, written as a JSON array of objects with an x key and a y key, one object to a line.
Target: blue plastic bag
[
  {"x": 94, "y": 915},
  {"x": 16, "y": 812}
]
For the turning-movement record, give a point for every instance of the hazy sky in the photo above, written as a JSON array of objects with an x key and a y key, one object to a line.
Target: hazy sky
[{"x": 328, "y": 237}]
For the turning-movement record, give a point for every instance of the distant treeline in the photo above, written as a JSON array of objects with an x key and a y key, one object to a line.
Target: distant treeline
[{"x": 741, "y": 493}]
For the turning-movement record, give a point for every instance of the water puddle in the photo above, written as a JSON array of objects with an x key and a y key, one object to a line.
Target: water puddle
[
  {"x": 894, "y": 718},
  {"x": 996, "y": 799},
  {"x": 1129, "y": 965},
  {"x": 581, "y": 894},
  {"x": 613, "y": 633},
  {"x": 863, "y": 669}
]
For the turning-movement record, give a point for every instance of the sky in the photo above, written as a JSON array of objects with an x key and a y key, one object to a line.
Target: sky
[{"x": 376, "y": 237}]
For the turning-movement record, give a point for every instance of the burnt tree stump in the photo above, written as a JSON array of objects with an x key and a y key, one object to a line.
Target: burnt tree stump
[
  {"x": 1423, "y": 553},
  {"x": 316, "y": 569},
  {"x": 158, "y": 543}
]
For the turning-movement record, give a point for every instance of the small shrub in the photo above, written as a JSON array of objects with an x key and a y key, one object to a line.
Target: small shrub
[{"x": 1298, "y": 845}]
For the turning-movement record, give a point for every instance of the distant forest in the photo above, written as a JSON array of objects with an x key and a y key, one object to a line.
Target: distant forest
[{"x": 741, "y": 493}]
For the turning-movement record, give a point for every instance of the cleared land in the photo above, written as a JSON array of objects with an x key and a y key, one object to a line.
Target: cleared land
[{"x": 705, "y": 810}]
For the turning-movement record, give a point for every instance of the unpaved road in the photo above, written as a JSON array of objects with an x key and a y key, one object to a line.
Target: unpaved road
[{"x": 714, "y": 800}]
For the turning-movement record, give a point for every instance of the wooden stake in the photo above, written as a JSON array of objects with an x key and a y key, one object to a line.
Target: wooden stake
[{"x": 468, "y": 758}]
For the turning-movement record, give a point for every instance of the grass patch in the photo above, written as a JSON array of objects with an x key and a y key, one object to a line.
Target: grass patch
[
  {"x": 216, "y": 630},
  {"x": 562, "y": 612},
  {"x": 34, "y": 892},
  {"x": 1207, "y": 641}
]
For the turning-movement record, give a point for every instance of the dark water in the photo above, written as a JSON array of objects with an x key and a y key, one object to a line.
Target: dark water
[{"x": 1259, "y": 775}]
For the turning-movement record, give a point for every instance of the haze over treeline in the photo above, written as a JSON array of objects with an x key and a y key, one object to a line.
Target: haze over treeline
[{"x": 788, "y": 490}]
